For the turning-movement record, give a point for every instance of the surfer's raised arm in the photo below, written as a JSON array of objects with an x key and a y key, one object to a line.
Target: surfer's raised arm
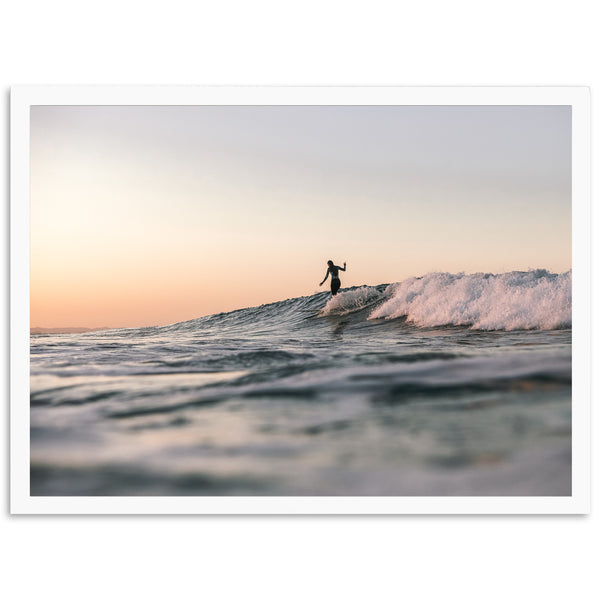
[{"x": 344, "y": 267}]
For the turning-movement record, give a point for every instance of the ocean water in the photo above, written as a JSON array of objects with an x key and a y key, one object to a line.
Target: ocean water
[{"x": 444, "y": 385}]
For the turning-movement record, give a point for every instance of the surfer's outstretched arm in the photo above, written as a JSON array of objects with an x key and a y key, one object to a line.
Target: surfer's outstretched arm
[
  {"x": 343, "y": 268},
  {"x": 326, "y": 276}
]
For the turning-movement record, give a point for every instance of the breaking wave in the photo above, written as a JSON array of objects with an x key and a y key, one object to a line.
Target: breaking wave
[
  {"x": 533, "y": 299},
  {"x": 353, "y": 300}
]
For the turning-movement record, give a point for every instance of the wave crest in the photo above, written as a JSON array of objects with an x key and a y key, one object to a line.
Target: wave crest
[
  {"x": 533, "y": 299},
  {"x": 351, "y": 301}
]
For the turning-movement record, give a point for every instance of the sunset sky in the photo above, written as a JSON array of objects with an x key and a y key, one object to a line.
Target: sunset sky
[{"x": 148, "y": 215}]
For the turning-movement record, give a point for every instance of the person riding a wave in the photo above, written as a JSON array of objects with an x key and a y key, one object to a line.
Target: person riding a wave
[{"x": 335, "y": 278}]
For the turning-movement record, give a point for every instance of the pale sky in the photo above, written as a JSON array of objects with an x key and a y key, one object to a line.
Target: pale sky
[{"x": 149, "y": 215}]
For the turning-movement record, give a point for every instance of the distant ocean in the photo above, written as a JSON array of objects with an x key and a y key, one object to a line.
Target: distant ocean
[{"x": 443, "y": 385}]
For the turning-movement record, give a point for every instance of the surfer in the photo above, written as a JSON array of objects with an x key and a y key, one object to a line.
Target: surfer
[{"x": 335, "y": 278}]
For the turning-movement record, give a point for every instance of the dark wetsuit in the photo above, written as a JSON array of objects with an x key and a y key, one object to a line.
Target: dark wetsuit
[{"x": 335, "y": 278}]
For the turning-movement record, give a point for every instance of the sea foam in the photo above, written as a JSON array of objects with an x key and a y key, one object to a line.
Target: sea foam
[
  {"x": 351, "y": 301},
  {"x": 533, "y": 299}
]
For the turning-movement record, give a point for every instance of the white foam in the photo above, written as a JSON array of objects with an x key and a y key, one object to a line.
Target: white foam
[
  {"x": 534, "y": 299},
  {"x": 351, "y": 301}
]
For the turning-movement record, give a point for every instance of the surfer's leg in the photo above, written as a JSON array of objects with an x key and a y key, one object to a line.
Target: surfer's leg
[{"x": 335, "y": 286}]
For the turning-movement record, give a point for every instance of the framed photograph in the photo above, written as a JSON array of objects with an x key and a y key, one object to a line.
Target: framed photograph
[{"x": 300, "y": 300}]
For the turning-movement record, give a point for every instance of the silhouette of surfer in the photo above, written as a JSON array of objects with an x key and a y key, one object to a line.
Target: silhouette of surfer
[{"x": 335, "y": 278}]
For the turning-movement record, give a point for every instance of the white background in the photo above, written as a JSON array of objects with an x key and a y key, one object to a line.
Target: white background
[{"x": 521, "y": 42}]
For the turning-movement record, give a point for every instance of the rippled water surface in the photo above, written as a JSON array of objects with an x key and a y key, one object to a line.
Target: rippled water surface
[{"x": 303, "y": 397}]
